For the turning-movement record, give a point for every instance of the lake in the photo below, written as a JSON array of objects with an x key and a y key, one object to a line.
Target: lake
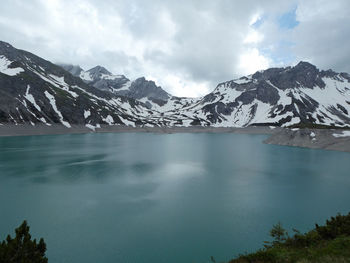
[{"x": 142, "y": 197}]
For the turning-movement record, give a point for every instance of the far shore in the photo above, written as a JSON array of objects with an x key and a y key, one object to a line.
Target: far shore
[
  {"x": 326, "y": 139},
  {"x": 40, "y": 129}
]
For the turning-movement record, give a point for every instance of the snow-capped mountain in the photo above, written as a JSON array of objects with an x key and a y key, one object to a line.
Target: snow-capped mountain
[
  {"x": 299, "y": 96},
  {"x": 99, "y": 77},
  {"x": 33, "y": 90},
  {"x": 140, "y": 89}
]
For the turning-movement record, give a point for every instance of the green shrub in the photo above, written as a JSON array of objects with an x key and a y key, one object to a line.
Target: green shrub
[
  {"x": 337, "y": 226},
  {"x": 328, "y": 243}
]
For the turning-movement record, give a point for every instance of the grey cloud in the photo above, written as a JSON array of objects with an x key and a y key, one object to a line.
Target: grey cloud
[
  {"x": 209, "y": 34},
  {"x": 200, "y": 41},
  {"x": 323, "y": 34},
  {"x": 121, "y": 63}
]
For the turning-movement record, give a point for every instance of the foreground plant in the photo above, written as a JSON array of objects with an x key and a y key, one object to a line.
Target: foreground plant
[
  {"x": 323, "y": 244},
  {"x": 21, "y": 249}
]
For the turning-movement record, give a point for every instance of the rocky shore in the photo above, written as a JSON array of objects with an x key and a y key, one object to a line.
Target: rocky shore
[{"x": 327, "y": 139}]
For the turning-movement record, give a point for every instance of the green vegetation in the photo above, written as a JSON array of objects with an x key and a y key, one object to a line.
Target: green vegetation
[
  {"x": 21, "y": 249},
  {"x": 328, "y": 243},
  {"x": 324, "y": 244}
]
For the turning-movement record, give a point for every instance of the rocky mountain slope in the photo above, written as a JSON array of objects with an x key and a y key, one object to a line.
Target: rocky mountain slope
[
  {"x": 140, "y": 89},
  {"x": 33, "y": 90},
  {"x": 300, "y": 95}
]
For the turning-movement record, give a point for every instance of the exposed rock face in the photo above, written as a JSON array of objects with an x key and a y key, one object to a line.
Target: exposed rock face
[
  {"x": 300, "y": 95},
  {"x": 98, "y": 72},
  {"x": 102, "y": 79},
  {"x": 98, "y": 77},
  {"x": 34, "y": 90},
  {"x": 145, "y": 89}
]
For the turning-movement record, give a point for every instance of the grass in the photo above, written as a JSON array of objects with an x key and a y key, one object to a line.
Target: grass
[{"x": 324, "y": 244}]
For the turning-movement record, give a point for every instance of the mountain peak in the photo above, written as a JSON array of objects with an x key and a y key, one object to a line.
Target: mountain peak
[
  {"x": 141, "y": 79},
  {"x": 99, "y": 70},
  {"x": 305, "y": 65},
  {"x": 5, "y": 44}
]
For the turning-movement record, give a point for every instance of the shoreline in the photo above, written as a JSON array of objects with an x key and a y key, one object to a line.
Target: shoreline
[
  {"x": 324, "y": 139},
  {"x": 57, "y": 129}
]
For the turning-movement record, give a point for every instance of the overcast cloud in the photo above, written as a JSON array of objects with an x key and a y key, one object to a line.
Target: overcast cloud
[{"x": 187, "y": 47}]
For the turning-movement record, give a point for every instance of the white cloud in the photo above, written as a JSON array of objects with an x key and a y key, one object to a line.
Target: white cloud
[
  {"x": 251, "y": 61},
  {"x": 253, "y": 37},
  {"x": 184, "y": 88},
  {"x": 186, "y": 46},
  {"x": 256, "y": 17}
]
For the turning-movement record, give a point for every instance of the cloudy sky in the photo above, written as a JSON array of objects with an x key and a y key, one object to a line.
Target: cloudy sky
[{"x": 186, "y": 46}]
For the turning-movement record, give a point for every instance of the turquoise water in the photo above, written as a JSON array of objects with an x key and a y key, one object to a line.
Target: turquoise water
[{"x": 139, "y": 197}]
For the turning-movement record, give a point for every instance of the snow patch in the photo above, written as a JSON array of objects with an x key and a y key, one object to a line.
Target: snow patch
[
  {"x": 87, "y": 113},
  {"x": 127, "y": 122},
  {"x": 4, "y": 67},
  {"x": 343, "y": 134},
  {"x": 108, "y": 119},
  {"x": 84, "y": 75},
  {"x": 242, "y": 80},
  {"x": 52, "y": 100},
  {"x": 92, "y": 127},
  {"x": 63, "y": 85},
  {"x": 31, "y": 99},
  {"x": 126, "y": 86}
]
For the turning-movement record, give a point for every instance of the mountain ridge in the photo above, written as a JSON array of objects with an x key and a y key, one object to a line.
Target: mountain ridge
[
  {"x": 284, "y": 97},
  {"x": 42, "y": 92}
]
